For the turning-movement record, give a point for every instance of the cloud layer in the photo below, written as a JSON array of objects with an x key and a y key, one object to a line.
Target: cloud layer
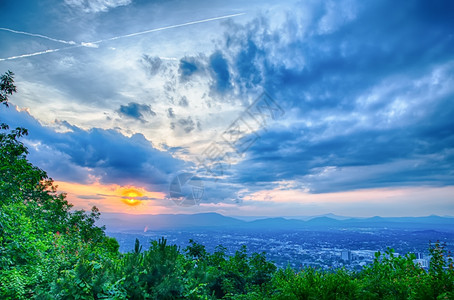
[
  {"x": 367, "y": 91},
  {"x": 367, "y": 106},
  {"x": 95, "y": 155},
  {"x": 94, "y": 6}
]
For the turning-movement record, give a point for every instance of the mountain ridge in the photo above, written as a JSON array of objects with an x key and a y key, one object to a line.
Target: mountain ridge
[{"x": 126, "y": 222}]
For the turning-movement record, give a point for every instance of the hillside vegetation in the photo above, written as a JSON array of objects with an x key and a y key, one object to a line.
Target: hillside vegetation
[{"x": 50, "y": 251}]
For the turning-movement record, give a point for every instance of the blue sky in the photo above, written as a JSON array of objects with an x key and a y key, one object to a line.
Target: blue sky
[{"x": 126, "y": 94}]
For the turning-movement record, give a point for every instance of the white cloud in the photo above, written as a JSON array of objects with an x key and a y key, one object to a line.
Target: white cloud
[{"x": 94, "y": 6}]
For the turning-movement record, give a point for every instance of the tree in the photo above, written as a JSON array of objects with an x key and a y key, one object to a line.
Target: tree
[
  {"x": 40, "y": 236},
  {"x": 7, "y": 87}
]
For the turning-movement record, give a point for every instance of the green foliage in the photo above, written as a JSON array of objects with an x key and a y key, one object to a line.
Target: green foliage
[
  {"x": 49, "y": 251},
  {"x": 7, "y": 87},
  {"x": 315, "y": 284},
  {"x": 388, "y": 276},
  {"x": 40, "y": 236}
]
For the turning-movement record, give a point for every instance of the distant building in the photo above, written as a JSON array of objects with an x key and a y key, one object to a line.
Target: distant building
[
  {"x": 424, "y": 263},
  {"x": 346, "y": 255},
  {"x": 419, "y": 255}
]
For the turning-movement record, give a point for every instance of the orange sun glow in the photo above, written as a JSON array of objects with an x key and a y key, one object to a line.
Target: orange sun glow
[{"x": 129, "y": 195}]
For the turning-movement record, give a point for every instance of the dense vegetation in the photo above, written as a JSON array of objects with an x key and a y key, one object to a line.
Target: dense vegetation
[{"x": 49, "y": 251}]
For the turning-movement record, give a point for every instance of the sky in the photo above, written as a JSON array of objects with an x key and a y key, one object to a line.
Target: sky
[{"x": 289, "y": 108}]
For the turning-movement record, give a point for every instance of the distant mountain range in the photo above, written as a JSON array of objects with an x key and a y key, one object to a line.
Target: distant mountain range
[{"x": 118, "y": 222}]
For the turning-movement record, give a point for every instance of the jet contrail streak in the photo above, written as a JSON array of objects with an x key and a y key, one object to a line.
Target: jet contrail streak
[
  {"x": 38, "y": 53},
  {"x": 167, "y": 27},
  {"x": 93, "y": 44},
  {"x": 38, "y": 35}
]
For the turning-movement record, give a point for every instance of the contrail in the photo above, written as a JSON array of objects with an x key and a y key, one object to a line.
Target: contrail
[
  {"x": 31, "y": 54},
  {"x": 95, "y": 43},
  {"x": 39, "y": 53},
  {"x": 167, "y": 27},
  {"x": 38, "y": 35}
]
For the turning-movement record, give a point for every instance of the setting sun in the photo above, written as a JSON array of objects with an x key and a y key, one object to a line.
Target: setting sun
[
  {"x": 132, "y": 202},
  {"x": 129, "y": 195}
]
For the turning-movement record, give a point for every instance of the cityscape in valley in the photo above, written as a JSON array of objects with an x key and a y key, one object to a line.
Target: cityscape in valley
[{"x": 323, "y": 242}]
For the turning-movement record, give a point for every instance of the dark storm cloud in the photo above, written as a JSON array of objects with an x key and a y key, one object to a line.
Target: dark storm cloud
[
  {"x": 370, "y": 95},
  {"x": 107, "y": 154},
  {"x": 363, "y": 159},
  {"x": 136, "y": 111},
  {"x": 339, "y": 65}
]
